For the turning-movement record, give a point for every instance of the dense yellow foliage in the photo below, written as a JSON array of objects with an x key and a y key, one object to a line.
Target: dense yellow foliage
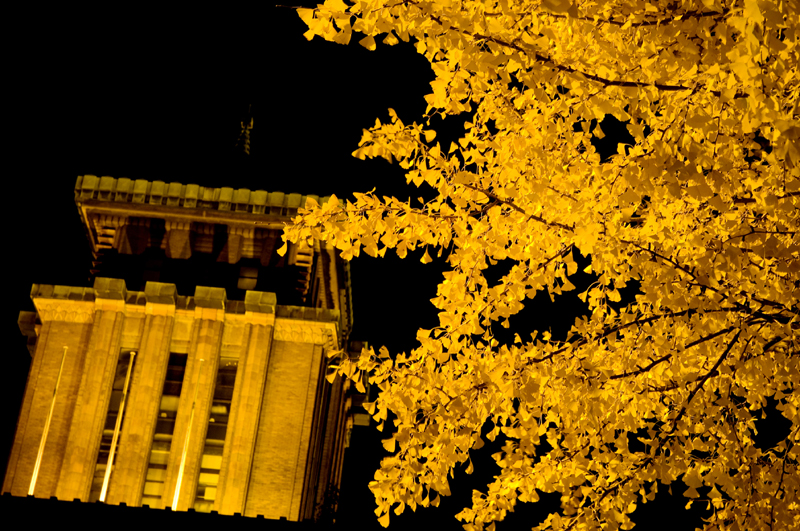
[{"x": 697, "y": 212}]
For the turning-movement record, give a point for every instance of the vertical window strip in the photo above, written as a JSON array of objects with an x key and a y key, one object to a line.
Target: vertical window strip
[
  {"x": 101, "y": 464},
  {"x": 165, "y": 426},
  {"x": 211, "y": 460}
]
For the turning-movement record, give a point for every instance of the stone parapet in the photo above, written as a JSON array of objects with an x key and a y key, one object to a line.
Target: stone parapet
[
  {"x": 206, "y": 297},
  {"x": 106, "y": 290},
  {"x": 307, "y": 314},
  {"x": 259, "y": 301},
  {"x": 73, "y": 293},
  {"x": 190, "y": 196}
]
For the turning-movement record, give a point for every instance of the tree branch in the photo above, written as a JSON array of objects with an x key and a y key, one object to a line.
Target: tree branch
[
  {"x": 612, "y": 329},
  {"x": 679, "y": 267},
  {"x": 518, "y": 209},
  {"x": 664, "y": 358},
  {"x": 643, "y": 23},
  {"x": 705, "y": 378},
  {"x": 570, "y": 70}
]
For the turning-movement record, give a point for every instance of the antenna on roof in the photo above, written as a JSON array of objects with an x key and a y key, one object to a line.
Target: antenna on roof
[{"x": 246, "y": 125}]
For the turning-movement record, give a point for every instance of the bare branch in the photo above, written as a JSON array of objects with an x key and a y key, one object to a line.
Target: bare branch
[
  {"x": 536, "y": 56},
  {"x": 664, "y": 358},
  {"x": 705, "y": 378},
  {"x": 657, "y": 22},
  {"x": 518, "y": 209}
]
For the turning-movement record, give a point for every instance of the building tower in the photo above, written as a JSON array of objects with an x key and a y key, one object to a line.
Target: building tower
[{"x": 192, "y": 374}]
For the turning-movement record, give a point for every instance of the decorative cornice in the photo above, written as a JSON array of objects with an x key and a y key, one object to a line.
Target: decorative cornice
[
  {"x": 302, "y": 331},
  {"x": 253, "y": 318},
  {"x": 78, "y": 304},
  {"x": 292, "y": 323},
  {"x": 153, "y": 308},
  {"x": 109, "y": 305},
  {"x": 209, "y": 314},
  {"x": 189, "y": 196},
  {"x": 64, "y": 310},
  {"x": 308, "y": 314}
]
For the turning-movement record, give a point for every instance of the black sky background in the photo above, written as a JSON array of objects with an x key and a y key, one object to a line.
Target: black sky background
[{"x": 159, "y": 97}]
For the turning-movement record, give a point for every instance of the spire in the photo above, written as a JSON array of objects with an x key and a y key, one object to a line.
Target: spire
[{"x": 246, "y": 125}]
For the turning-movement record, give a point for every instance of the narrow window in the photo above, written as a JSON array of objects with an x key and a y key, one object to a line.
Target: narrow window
[
  {"x": 125, "y": 359},
  {"x": 211, "y": 460},
  {"x": 165, "y": 426}
]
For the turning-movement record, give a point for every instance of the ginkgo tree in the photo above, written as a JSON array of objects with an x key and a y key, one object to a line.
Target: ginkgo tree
[{"x": 699, "y": 212}]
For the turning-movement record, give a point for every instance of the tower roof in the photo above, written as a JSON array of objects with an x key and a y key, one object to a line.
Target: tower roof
[
  {"x": 140, "y": 195},
  {"x": 125, "y": 217}
]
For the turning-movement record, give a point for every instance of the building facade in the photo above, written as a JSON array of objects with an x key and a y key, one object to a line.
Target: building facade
[{"x": 192, "y": 374}]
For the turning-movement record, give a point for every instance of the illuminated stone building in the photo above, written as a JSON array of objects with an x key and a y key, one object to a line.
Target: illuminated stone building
[{"x": 195, "y": 364}]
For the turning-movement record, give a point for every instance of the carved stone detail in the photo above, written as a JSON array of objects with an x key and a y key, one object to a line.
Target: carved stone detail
[
  {"x": 65, "y": 310},
  {"x": 305, "y": 332}
]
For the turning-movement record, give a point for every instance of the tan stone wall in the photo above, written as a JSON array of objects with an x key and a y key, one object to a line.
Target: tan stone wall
[
  {"x": 334, "y": 423},
  {"x": 313, "y": 455},
  {"x": 276, "y": 480}
]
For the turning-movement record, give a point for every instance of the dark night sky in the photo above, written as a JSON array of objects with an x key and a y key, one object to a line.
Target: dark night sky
[{"x": 136, "y": 96}]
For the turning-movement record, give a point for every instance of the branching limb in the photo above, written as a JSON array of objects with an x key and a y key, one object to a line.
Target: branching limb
[
  {"x": 705, "y": 378},
  {"x": 540, "y": 219},
  {"x": 666, "y": 357}
]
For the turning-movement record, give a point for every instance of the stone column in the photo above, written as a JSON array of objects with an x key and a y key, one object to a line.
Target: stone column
[
  {"x": 94, "y": 392},
  {"x": 144, "y": 396},
  {"x": 240, "y": 439},
  {"x": 67, "y": 323},
  {"x": 333, "y": 420},
  {"x": 314, "y": 457},
  {"x": 196, "y": 398}
]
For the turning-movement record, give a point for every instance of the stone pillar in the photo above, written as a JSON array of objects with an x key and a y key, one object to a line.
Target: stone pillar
[
  {"x": 311, "y": 475},
  {"x": 196, "y": 398},
  {"x": 94, "y": 392},
  {"x": 332, "y": 420},
  {"x": 144, "y": 396},
  {"x": 240, "y": 439},
  {"x": 65, "y": 323}
]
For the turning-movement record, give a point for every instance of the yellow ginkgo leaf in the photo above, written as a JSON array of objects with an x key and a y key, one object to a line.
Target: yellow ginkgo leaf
[{"x": 369, "y": 43}]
